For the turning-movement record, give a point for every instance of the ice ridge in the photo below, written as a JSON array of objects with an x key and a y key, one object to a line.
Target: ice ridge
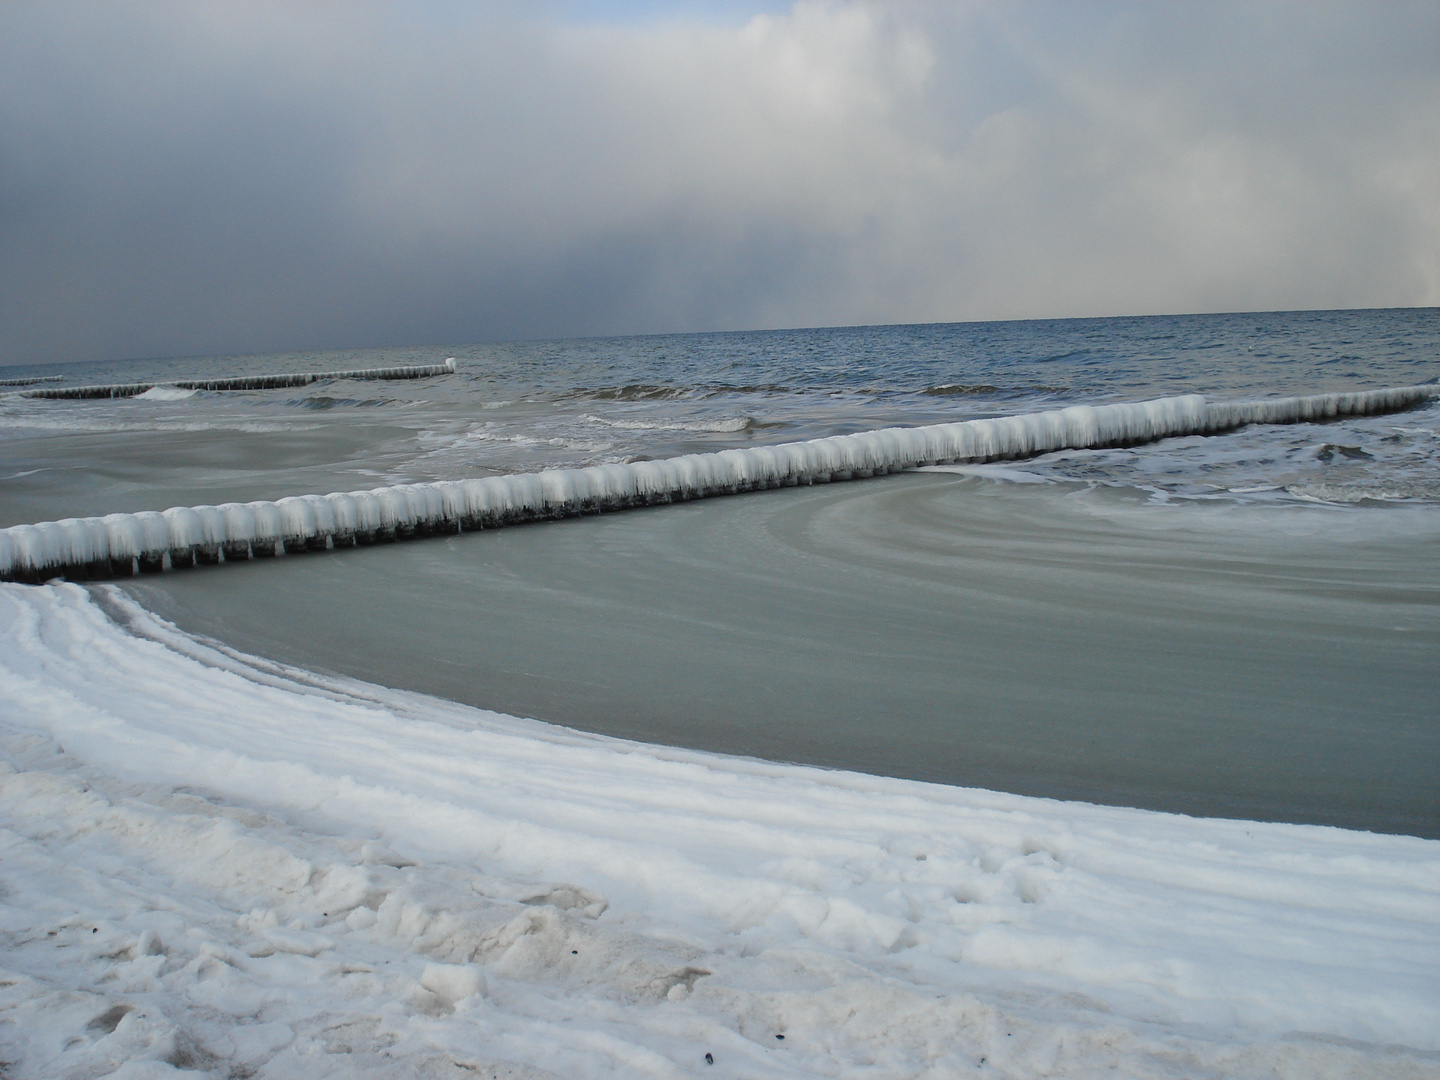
[
  {"x": 243, "y": 382},
  {"x": 117, "y": 544}
]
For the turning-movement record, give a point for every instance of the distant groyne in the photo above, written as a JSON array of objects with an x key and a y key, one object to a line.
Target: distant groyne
[
  {"x": 118, "y": 545},
  {"x": 242, "y": 382}
]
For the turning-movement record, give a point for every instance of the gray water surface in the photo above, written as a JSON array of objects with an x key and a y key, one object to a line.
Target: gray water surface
[
  {"x": 1242, "y": 625},
  {"x": 1275, "y": 663}
]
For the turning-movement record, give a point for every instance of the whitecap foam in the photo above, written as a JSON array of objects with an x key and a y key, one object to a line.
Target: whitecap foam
[{"x": 165, "y": 393}]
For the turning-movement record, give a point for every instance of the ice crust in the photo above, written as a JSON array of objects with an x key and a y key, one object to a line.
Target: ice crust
[
  {"x": 220, "y": 865},
  {"x": 113, "y": 545}
]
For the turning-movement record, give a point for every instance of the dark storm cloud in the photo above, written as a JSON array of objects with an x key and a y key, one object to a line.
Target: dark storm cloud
[{"x": 195, "y": 179}]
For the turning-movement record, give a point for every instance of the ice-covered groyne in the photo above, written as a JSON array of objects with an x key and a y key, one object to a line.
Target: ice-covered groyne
[
  {"x": 117, "y": 544},
  {"x": 32, "y": 380},
  {"x": 243, "y": 382}
]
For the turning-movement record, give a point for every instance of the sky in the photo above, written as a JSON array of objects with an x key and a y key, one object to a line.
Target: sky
[{"x": 199, "y": 179}]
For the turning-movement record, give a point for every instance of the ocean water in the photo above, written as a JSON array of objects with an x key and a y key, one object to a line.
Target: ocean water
[{"x": 1244, "y": 625}]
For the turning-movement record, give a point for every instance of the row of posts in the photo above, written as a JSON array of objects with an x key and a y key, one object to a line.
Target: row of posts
[{"x": 184, "y": 558}]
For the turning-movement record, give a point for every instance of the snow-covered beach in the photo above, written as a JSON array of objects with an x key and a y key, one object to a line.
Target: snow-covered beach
[
  {"x": 217, "y": 864},
  {"x": 719, "y": 539}
]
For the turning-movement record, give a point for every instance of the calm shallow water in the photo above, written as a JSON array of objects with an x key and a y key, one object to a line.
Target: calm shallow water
[
  {"x": 937, "y": 627},
  {"x": 1246, "y": 625}
]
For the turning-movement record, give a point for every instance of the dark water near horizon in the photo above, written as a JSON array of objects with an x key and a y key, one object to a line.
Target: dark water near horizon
[{"x": 1244, "y": 625}]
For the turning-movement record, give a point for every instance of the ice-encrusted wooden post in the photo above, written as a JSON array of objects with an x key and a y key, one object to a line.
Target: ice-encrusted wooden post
[{"x": 118, "y": 544}]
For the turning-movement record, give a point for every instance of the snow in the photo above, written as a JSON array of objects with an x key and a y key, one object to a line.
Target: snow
[
  {"x": 218, "y": 864},
  {"x": 101, "y": 547}
]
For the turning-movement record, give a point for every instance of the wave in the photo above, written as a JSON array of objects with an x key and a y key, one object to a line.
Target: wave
[
  {"x": 986, "y": 389},
  {"x": 631, "y": 392},
  {"x": 660, "y": 392},
  {"x": 115, "y": 544},
  {"x": 723, "y": 424},
  {"x": 1393, "y": 490},
  {"x": 1329, "y": 451},
  {"x": 749, "y": 388},
  {"x": 960, "y": 389},
  {"x": 320, "y": 402},
  {"x": 242, "y": 382},
  {"x": 70, "y": 425}
]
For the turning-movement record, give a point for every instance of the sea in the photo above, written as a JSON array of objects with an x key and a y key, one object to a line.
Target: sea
[{"x": 1243, "y": 625}]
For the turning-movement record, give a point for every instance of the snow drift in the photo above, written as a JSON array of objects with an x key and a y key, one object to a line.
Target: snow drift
[{"x": 223, "y": 865}]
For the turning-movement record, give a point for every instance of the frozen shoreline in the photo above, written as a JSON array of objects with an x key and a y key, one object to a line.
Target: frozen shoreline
[{"x": 220, "y": 864}]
